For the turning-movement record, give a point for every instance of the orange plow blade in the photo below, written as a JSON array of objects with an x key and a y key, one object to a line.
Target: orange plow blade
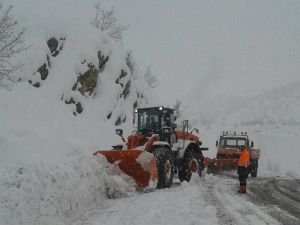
[
  {"x": 216, "y": 165},
  {"x": 139, "y": 165}
]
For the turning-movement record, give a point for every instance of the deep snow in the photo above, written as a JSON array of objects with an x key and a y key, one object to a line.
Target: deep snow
[{"x": 233, "y": 66}]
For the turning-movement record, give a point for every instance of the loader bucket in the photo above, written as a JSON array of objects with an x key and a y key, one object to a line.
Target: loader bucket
[{"x": 140, "y": 165}]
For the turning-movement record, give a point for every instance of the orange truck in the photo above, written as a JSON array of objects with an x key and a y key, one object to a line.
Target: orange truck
[{"x": 229, "y": 148}]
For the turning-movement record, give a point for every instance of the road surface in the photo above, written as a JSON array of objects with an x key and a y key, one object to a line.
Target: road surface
[{"x": 207, "y": 200}]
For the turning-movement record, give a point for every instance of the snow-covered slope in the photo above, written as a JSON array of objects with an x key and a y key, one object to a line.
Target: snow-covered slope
[{"x": 74, "y": 86}]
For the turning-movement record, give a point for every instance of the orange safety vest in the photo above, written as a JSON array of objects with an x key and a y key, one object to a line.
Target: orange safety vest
[{"x": 244, "y": 158}]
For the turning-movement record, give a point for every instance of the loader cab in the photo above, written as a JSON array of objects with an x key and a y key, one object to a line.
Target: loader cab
[{"x": 156, "y": 120}]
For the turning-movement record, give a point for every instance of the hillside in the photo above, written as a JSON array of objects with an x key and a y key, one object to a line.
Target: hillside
[{"x": 75, "y": 84}]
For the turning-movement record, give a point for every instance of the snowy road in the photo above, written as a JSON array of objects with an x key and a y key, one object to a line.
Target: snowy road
[
  {"x": 209, "y": 200},
  {"x": 280, "y": 196}
]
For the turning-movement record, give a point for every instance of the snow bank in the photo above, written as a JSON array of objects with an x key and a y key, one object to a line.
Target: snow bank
[{"x": 43, "y": 194}]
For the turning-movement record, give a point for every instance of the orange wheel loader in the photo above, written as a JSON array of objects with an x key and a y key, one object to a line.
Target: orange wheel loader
[{"x": 157, "y": 149}]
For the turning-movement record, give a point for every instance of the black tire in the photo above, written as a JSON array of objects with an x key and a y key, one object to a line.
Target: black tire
[
  {"x": 191, "y": 159},
  {"x": 254, "y": 168},
  {"x": 165, "y": 167}
]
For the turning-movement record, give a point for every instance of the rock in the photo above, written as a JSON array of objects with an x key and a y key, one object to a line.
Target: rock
[
  {"x": 102, "y": 61},
  {"x": 43, "y": 70},
  {"x": 126, "y": 90},
  {"x": 37, "y": 84},
  {"x": 118, "y": 121},
  {"x": 88, "y": 81},
  {"x": 53, "y": 45},
  {"x": 109, "y": 115},
  {"x": 123, "y": 74},
  {"x": 79, "y": 108}
]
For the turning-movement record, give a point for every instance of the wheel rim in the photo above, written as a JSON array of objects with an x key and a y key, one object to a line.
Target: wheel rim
[
  {"x": 193, "y": 166},
  {"x": 168, "y": 169}
]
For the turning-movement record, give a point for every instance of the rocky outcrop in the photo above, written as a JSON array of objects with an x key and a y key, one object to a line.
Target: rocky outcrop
[
  {"x": 87, "y": 82},
  {"x": 42, "y": 72},
  {"x": 55, "y": 46},
  {"x": 78, "y": 105}
]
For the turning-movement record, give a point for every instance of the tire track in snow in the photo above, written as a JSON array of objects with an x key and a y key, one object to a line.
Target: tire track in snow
[
  {"x": 223, "y": 216},
  {"x": 279, "y": 196},
  {"x": 232, "y": 207},
  {"x": 183, "y": 204}
]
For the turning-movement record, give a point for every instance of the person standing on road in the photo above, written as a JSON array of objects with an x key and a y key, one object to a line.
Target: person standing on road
[{"x": 244, "y": 162}]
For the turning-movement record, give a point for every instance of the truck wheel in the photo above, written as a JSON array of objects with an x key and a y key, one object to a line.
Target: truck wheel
[
  {"x": 191, "y": 164},
  {"x": 165, "y": 167},
  {"x": 254, "y": 169}
]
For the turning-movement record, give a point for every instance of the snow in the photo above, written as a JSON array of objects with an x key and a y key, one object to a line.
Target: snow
[
  {"x": 232, "y": 65},
  {"x": 47, "y": 172},
  {"x": 183, "y": 204}
]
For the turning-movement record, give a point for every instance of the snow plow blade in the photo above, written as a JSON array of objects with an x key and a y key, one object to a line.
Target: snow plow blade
[
  {"x": 140, "y": 165},
  {"x": 217, "y": 165}
]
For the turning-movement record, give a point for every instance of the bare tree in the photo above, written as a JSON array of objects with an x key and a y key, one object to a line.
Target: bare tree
[
  {"x": 106, "y": 21},
  {"x": 11, "y": 42}
]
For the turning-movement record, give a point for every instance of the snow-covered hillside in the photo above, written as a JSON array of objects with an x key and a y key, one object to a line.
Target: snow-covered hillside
[{"x": 74, "y": 86}]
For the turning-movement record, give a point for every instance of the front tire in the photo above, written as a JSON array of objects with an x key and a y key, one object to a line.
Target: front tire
[
  {"x": 191, "y": 164},
  {"x": 165, "y": 167}
]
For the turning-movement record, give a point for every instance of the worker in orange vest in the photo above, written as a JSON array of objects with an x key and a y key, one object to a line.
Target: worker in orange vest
[{"x": 244, "y": 162}]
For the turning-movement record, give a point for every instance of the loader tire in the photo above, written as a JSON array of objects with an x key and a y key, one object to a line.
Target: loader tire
[
  {"x": 165, "y": 167},
  {"x": 191, "y": 163}
]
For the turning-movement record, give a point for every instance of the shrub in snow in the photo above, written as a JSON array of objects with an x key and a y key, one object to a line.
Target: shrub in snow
[
  {"x": 106, "y": 21},
  {"x": 11, "y": 42}
]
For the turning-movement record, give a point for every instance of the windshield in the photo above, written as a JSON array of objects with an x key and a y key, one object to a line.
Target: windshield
[
  {"x": 148, "y": 121},
  {"x": 232, "y": 142}
]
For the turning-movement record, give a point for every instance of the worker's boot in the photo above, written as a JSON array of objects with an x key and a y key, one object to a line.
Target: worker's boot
[{"x": 242, "y": 189}]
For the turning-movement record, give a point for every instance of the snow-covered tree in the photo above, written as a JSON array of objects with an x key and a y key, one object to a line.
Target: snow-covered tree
[{"x": 11, "y": 42}]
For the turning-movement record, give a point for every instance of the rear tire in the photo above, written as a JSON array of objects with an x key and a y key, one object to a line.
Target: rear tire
[
  {"x": 191, "y": 163},
  {"x": 165, "y": 167}
]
